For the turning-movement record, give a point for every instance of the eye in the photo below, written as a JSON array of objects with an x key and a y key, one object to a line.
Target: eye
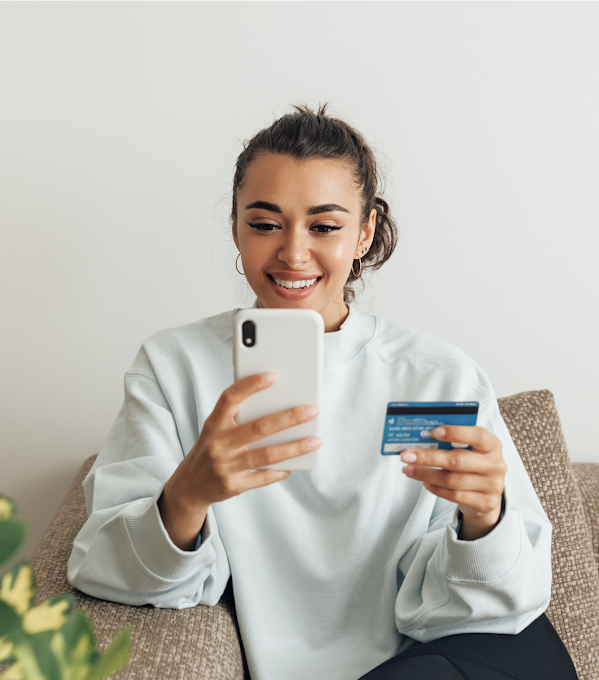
[
  {"x": 324, "y": 228},
  {"x": 263, "y": 226}
]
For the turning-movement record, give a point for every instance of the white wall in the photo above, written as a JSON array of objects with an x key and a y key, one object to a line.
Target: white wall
[{"x": 119, "y": 128}]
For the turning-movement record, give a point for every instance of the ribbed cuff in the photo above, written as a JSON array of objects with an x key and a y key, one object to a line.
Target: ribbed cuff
[
  {"x": 488, "y": 558},
  {"x": 155, "y": 549}
]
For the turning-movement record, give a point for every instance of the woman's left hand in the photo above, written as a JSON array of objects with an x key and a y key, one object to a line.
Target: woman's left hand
[{"x": 474, "y": 479}]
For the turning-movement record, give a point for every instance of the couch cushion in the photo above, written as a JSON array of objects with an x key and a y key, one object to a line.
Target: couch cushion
[
  {"x": 587, "y": 478},
  {"x": 533, "y": 422}
]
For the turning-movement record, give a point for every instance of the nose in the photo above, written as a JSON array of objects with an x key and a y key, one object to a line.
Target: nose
[{"x": 294, "y": 250}]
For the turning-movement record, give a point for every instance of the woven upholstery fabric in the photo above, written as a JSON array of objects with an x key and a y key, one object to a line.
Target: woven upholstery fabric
[
  {"x": 587, "y": 477},
  {"x": 533, "y": 422},
  {"x": 178, "y": 644}
]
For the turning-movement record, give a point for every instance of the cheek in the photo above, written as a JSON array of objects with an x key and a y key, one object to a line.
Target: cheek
[
  {"x": 337, "y": 258},
  {"x": 257, "y": 252}
]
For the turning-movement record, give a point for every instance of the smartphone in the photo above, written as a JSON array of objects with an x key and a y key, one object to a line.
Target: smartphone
[{"x": 288, "y": 342}]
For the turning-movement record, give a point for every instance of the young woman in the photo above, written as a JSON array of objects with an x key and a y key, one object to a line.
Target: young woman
[{"x": 362, "y": 567}]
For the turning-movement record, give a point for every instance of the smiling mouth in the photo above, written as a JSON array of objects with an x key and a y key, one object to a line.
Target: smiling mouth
[{"x": 295, "y": 285}]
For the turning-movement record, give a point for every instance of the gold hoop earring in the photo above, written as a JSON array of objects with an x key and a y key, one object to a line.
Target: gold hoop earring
[
  {"x": 236, "y": 267},
  {"x": 357, "y": 276}
]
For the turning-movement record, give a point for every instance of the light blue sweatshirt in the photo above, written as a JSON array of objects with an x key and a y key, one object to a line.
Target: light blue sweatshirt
[{"x": 335, "y": 570}]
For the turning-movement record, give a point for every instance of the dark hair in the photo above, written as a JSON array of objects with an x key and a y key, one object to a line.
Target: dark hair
[{"x": 308, "y": 134}]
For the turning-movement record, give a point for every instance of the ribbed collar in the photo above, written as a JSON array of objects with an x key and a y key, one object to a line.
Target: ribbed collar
[{"x": 355, "y": 333}]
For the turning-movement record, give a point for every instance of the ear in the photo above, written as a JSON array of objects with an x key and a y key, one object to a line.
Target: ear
[{"x": 367, "y": 234}]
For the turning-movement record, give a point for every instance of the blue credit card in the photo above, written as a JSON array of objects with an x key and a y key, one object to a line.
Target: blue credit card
[{"x": 408, "y": 424}]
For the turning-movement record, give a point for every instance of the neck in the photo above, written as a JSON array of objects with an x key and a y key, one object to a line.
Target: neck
[{"x": 334, "y": 315}]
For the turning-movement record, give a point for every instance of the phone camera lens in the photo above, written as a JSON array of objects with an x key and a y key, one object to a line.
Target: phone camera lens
[{"x": 248, "y": 333}]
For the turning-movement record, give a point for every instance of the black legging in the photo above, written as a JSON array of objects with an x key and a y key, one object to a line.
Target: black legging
[{"x": 537, "y": 653}]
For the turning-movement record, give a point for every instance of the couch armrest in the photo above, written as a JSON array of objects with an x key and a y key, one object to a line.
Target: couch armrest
[
  {"x": 199, "y": 642},
  {"x": 587, "y": 477}
]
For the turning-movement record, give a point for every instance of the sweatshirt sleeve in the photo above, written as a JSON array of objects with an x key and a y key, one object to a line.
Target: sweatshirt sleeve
[
  {"x": 497, "y": 584},
  {"x": 123, "y": 552}
]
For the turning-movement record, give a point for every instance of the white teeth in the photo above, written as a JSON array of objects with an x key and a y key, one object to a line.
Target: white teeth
[{"x": 295, "y": 284}]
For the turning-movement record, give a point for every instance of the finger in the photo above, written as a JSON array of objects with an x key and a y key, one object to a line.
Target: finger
[
  {"x": 455, "y": 480},
  {"x": 228, "y": 403},
  {"x": 480, "y": 503},
  {"x": 478, "y": 437},
  {"x": 253, "y": 479},
  {"x": 269, "y": 455},
  {"x": 267, "y": 425},
  {"x": 457, "y": 460}
]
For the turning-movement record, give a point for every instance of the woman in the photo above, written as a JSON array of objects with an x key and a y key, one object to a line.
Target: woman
[{"x": 362, "y": 567}]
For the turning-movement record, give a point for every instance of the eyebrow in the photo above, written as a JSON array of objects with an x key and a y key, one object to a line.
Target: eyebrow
[{"x": 314, "y": 210}]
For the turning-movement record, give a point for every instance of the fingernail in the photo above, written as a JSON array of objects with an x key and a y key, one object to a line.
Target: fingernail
[
  {"x": 269, "y": 377},
  {"x": 438, "y": 432},
  {"x": 310, "y": 411},
  {"x": 408, "y": 457},
  {"x": 314, "y": 442},
  {"x": 409, "y": 471}
]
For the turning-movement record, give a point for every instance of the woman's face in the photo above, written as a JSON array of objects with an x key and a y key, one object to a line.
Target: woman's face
[{"x": 298, "y": 224}]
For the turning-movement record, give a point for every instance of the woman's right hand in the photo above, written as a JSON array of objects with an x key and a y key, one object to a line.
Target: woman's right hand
[{"x": 220, "y": 465}]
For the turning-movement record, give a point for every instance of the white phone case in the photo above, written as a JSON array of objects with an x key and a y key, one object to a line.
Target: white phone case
[{"x": 288, "y": 342}]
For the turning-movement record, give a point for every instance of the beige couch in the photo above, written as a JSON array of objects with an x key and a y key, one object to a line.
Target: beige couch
[{"x": 203, "y": 642}]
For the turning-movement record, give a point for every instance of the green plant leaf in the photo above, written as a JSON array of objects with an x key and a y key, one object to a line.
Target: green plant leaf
[
  {"x": 70, "y": 670},
  {"x": 76, "y": 627},
  {"x": 5, "y": 649},
  {"x": 18, "y": 587},
  {"x": 13, "y": 673},
  {"x": 114, "y": 658},
  {"x": 26, "y": 661},
  {"x": 12, "y": 535},
  {"x": 50, "y": 615},
  {"x": 10, "y": 621},
  {"x": 8, "y": 508},
  {"x": 36, "y": 658},
  {"x": 74, "y": 647}
]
